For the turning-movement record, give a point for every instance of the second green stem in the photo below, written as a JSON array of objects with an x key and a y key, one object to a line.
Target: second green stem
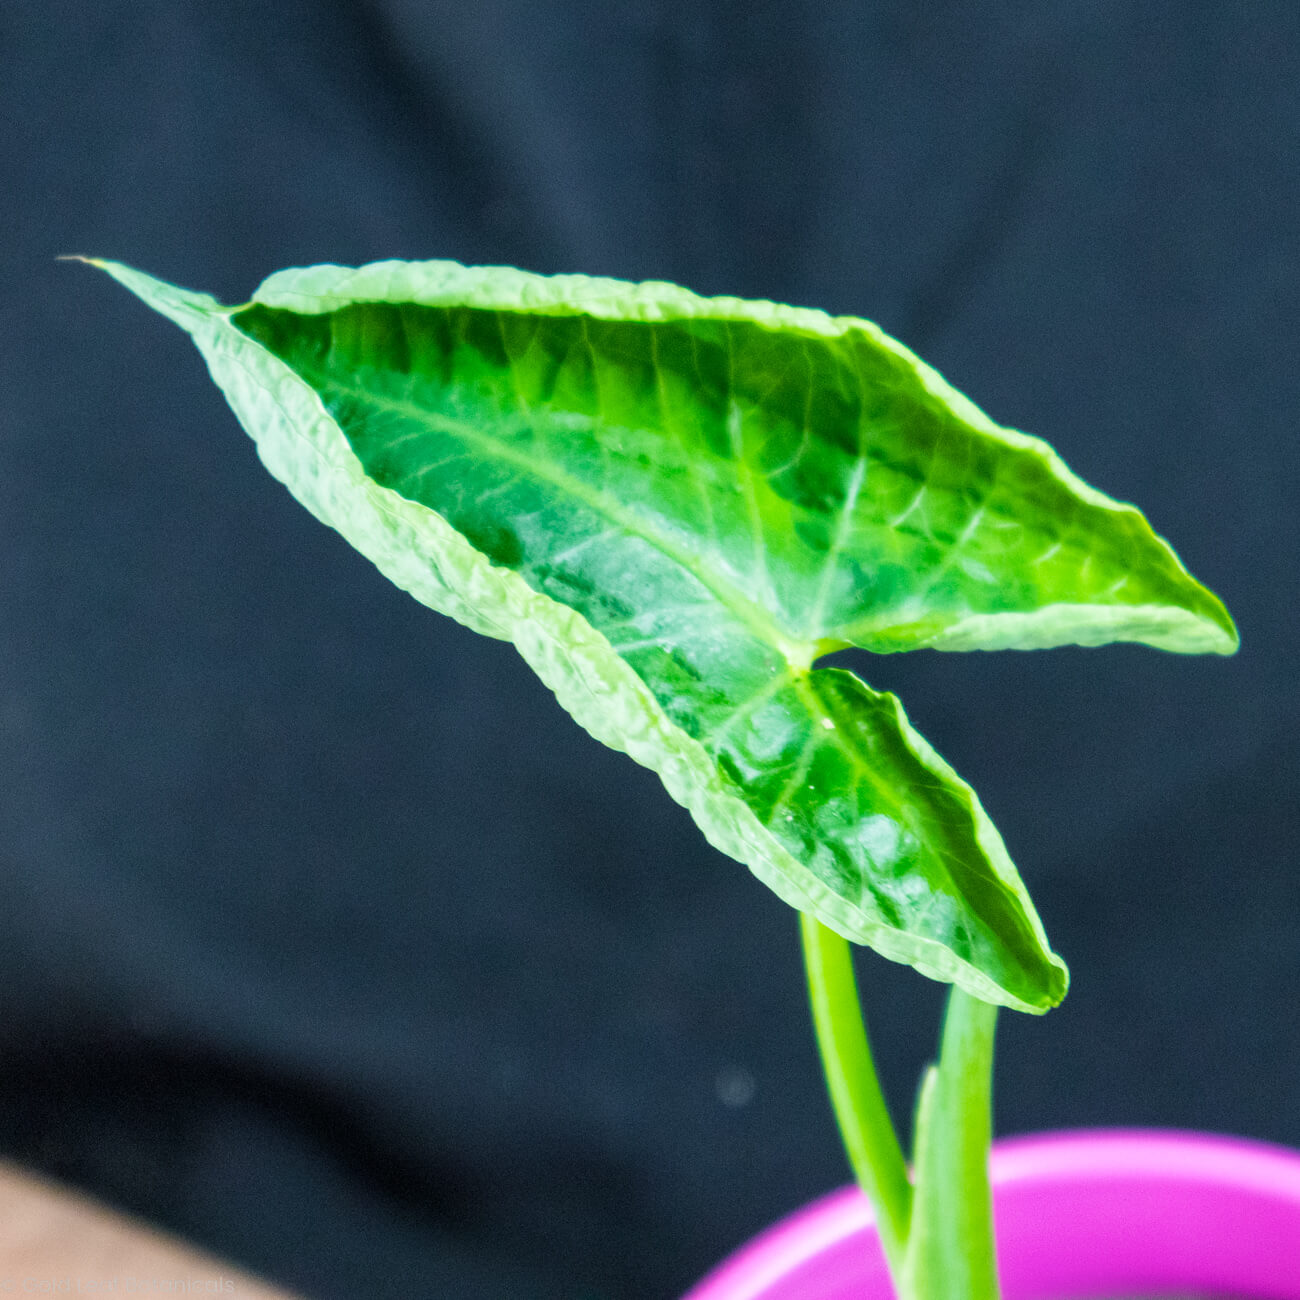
[
  {"x": 937, "y": 1235},
  {"x": 860, "y": 1110}
]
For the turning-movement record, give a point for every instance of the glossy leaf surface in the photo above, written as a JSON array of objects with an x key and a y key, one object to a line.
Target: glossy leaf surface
[{"x": 673, "y": 506}]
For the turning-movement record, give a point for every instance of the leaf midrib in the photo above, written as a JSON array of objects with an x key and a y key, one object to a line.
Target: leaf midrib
[
  {"x": 797, "y": 654},
  {"x": 731, "y": 597}
]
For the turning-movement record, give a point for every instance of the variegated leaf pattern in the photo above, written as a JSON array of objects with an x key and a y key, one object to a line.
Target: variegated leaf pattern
[{"x": 674, "y": 506}]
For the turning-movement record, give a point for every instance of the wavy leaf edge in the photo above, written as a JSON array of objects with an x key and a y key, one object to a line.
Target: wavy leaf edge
[
  {"x": 317, "y": 290},
  {"x": 305, "y": 449}
]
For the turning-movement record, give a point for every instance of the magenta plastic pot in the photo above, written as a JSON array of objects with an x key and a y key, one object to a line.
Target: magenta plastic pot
[{"x": 1093, "y": 1213}]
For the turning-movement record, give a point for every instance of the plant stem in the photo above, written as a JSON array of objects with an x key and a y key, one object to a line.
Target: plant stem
[
  {"x": 860, "y": 1111},
  {"x": 951, "y": 1254}
]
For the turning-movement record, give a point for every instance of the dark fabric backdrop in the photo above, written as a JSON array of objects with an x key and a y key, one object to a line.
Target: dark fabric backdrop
[{"x": 325, "y": 937}]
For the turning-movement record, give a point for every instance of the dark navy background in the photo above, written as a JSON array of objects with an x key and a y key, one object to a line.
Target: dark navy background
[{"x": 325, "y": 938}]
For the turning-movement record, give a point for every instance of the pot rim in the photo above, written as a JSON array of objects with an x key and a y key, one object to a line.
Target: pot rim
[{"x": 1132, "y": 1208}]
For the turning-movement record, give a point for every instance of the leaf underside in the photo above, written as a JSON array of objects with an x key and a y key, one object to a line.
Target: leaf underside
[{"x": 673, "y": 506}]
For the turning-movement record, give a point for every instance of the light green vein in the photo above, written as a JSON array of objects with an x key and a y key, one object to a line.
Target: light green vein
[{"x": 746, "y": 611}]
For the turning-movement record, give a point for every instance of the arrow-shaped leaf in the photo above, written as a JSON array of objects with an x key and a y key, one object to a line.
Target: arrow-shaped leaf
[{"x": 673, "y": 506}]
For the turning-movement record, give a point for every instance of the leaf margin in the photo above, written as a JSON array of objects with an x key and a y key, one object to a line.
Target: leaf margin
[
  {"x": 577, "y": 663},
  {"x": 327, "y": 287}
]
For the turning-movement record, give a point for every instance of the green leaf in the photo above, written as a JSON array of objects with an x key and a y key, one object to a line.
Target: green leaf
[{"x": 672, "y": 506}]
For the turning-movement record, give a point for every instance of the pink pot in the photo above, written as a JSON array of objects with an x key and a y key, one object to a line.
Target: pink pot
[{"x": 1089, "y": 1213}]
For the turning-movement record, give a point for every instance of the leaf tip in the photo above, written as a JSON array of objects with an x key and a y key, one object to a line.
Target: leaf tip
[
  {"x": 1049, "y": 991},
  {"x": 1058, "y": 983},
  {"x": 1230, "y": 638},
  {"x": 181, "y": 306},
  {"x": 1207, "y": 627}
]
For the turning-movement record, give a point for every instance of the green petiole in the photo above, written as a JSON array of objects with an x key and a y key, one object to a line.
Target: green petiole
[
  {"x": 951, "y": 1254},
  {"x": 936, "y": 1227},
  {"x": 860, "y": 1111}
]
